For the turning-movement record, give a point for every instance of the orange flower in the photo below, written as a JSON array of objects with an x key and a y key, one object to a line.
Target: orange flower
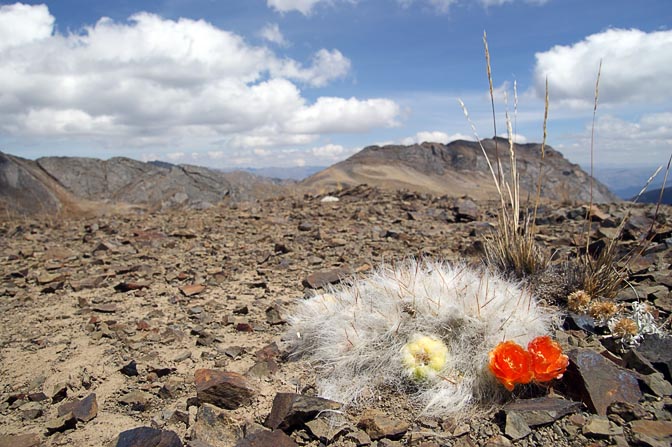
[
  {"x": 548, "y": 361},
  {"x": 511, "y": 364}
]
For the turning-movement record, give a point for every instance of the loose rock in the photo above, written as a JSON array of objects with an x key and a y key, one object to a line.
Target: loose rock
[
  {"x": 379, "y": 425},
  {"x": 223, "y": 388},
  {"x": 290, "y": 410},
  {"x": 147, "y": 437},
  {"x": 597, "y": 382}
]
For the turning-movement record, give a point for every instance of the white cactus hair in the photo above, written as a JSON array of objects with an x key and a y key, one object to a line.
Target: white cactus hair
[{"x": 354, "y": 334}]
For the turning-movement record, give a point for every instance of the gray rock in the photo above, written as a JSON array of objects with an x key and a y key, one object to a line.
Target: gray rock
[
  {"x": 84, "y": 410},
  {"x": 275, "y": 438},
  {"x": 147, "y": 437},
  {"x": 542, "y": 410},
  {"x": 601, "y": 427},
  {"x": 214, "y": 427},
  {"x": 658, "y": 350},
  {"x": 62, "y": 423},
  {"x": 652, "y": 433},
  {"x": 597, "y": 382},
  {"x": 657, "y": 384},
  {"x": 516, "y": 428},
  {"x": 24, "y": 189},
  {"x": 290, "y": 410},
  {"x": 322, "y": 278}
]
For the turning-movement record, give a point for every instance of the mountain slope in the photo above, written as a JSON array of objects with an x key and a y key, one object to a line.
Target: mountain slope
[
  {"x": 458, "y": 169},
  {"x": 88, "y": 185}
]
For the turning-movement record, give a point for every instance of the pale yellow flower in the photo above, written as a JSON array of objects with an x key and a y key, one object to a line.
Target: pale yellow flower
[{"x": 424, "y": 356}]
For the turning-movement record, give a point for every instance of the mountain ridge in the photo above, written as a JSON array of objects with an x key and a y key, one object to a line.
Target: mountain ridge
[
  {"x": 50, "y": 185},
  {"x": 459, "y": 168}
]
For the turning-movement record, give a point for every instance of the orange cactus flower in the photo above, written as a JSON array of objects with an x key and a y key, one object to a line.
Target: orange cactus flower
[
  {"x": 548, "y": 361},
  {"x": 511, "y": 364}
]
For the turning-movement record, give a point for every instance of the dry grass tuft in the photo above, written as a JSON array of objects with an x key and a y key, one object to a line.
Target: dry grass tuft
[{"x": 512, "y": 249}]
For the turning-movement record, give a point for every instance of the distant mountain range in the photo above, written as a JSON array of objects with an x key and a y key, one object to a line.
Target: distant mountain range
[
  {"x": 627, "y": 182},
  {"x": 284, "y": 173},
  {"x": 87, "y": 185}
]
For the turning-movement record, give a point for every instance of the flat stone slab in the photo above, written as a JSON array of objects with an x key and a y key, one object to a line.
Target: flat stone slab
[
  {"x": 598, "y": 382},
  {"x": 542, "y": 410}
]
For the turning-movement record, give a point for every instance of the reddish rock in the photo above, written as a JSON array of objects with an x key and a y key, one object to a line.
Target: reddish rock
[
  {"x": 379, "y": 425},
  {"x": 223, "y": 389},
  {"x": 290, "y": 410},
  {"x": 84, "y": 410},
  {"x": 192, "y": 289},
  {"x": 244, "y": 327},
  {"x": 131, "y": 285},
  {"x": 147, "y": 437},
  {"x": 276, "y": 438},
  {"x": 86, "y": 283},
  {"x": 652, "y": 433},
  {"x": 597, "y": 382},
  {"x": 268, "y": 352},
  {"x": 324, "y": 277}
]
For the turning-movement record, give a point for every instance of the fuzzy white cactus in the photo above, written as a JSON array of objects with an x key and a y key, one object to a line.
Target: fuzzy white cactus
[{"x": 419, "y": 327}]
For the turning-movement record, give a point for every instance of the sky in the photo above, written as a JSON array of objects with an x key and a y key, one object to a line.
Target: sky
[{"x": 261, "y": 83}]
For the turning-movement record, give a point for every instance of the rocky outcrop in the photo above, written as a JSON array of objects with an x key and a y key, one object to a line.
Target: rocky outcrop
[
  {"x": 21, "y": 191},
  {"x": 67, "y": 184},
  {"x": 459, "y": 168}
]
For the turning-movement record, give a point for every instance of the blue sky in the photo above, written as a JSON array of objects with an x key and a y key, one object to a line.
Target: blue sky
[{"x": 254, "y": 83}]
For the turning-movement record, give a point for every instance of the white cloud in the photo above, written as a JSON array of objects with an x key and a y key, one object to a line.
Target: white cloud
[
  {"x": 151, "y": 82},
  {"x": 326, "y": 66},
  {"x": 22, "y": 24},
  {"x": 333, "y": 115},
  {"x": 328, "y": 151},
  {"x": 174, "y": 156},
  {"x": 262, "y": 152},
  {"x": 636, "y": 67},
  {"x": 305, "y": 7},
  {"x": 435, "y": 136},
  {"x": 644, "y": 142},
  {"x": 271, "y": 32},
  {"x": 517, "y": 138}
]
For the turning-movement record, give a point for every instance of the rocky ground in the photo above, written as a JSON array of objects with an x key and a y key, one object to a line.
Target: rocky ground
[{"x": 166, "y": 329}]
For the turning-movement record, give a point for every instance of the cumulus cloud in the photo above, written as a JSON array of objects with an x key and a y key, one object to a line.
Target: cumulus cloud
[
  {"x": 332, "y": 115},
  {"x": 271, "y": 32},
  {"x": 636, "y": 68},
  {"x": 642, "y": 142},
  {"x": 326, "y": 66},
  {"x": 22, "y": 24},
  {"x": 152, "y": 81},
  {"x": 435, "y": 136},
  {"x": 328, "y": 151}
]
